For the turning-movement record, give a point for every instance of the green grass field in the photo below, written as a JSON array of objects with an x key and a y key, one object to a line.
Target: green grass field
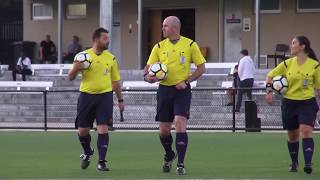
[{"x": 138, "y": 155}]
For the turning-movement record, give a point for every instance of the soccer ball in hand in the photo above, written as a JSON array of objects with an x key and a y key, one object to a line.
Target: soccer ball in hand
[
  {"x": 84, "y": 59},
  {"x": 280, "y": 84},
  {"x": 158, "y": 70}
]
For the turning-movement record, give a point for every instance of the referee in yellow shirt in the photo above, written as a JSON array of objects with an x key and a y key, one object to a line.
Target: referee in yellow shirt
[
  {"x": 174, "y": 93},
  {"x": 299, "y": 106},
  {"x": 96, "y": 97}
]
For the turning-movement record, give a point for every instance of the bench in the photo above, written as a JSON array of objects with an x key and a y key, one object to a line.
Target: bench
[
  {"x": 256, "y": 84},
  {"x": 4, "y": 67},
  {"x": 226, "y": 84},
  {"x": 59, "y": 67},
  {"x": 144, "y": 84},
  {"x": 19, "y": 84},
  {"x": 230, "y": 66}
]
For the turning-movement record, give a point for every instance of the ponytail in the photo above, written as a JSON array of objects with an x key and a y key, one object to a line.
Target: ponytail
[
  {"x": 311, "y": 54},
  {"x": 308, "y": 50}
]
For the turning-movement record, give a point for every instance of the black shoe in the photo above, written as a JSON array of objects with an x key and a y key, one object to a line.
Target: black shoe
[
  {"x": 308, "y": 169},
  {"x": 102, "y": 166},
  {"x": 293, "y": 167},
  {"x": 167, "y": 164},
  {"x": 86, "y": 159},
  {"x": 180, "y": 169}
]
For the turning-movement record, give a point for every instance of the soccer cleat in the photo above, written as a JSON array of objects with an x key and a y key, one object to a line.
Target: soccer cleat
[
  {"x": 293, "y": 167},
  {"x": 86, "y": 159},
  {"x": 180, "y": 169},
  {"x": 102, "y": 166},
  {"x": 168, "y": 162},
  {"x": 308, "y": 169}
]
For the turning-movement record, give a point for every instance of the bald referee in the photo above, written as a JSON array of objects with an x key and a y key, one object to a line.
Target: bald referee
[
  {"x": 174, "y": 93},
  {"x": 96, "y": 97}
]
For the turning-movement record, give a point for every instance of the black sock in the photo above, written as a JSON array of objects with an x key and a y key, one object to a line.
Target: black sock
[
  {"x": 293, "y": 148},
  {"x": 103, "y": 144},
  {"x": 85, "y": 143},
  {"x": 181, "y": 146},
  {"x": 167, "y": 143},
  {"x": 308, "y": 146}
]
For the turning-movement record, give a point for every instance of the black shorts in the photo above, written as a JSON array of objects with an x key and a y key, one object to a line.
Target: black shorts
[
  {"x": 172, "y": 102},
  {"x": 92, "y": 107},
  {"x": 295, "y": 112}
]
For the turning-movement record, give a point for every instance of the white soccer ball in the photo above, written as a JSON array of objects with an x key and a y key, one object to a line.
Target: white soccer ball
[
  {"x": 280, "y": 84},
  {"x": 158, "y": 70},
  {"x": 84, "y": 59}
]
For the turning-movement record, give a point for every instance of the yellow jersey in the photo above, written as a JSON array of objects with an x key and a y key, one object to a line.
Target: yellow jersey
[
  {"x": 177, "y": 57},
  {"x": 103, "y": 70},
  {"x": 302, "y": 79}
]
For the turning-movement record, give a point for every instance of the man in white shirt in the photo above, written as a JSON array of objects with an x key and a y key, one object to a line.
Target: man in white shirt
[
  {"x": 23, "y": 67},
  {"x": 246, "y": 71}
]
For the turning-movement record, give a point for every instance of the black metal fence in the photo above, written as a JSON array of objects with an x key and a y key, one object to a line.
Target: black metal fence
[
  {"x": 46, "y": 110},
  {"x": 11, "y": 31}
]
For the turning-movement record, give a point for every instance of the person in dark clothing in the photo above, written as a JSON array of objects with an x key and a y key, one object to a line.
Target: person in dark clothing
[
  {"x": 231, "y": 92},
  {"x": 47, "y": 51},
  {"x": 73, "y": 49}
]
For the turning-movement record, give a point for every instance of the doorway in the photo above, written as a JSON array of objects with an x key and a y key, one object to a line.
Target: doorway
[
  {"x": 153, "y": 26},
  {"x": 232, "y": 30},
  {"x": 11, "y": 29}
]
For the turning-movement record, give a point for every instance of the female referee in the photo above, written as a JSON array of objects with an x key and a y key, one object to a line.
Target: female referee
[{"x": 299, "y": 106}]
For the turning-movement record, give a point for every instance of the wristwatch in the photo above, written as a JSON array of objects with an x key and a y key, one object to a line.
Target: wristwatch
[
  {"x": 144, "y": 77},
  {"x": 269, "y": 88}
]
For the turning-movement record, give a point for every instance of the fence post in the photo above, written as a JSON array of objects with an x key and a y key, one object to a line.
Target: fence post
[
  {"x": 233, "y": 110},
  {"x": 45, "y": 110}
]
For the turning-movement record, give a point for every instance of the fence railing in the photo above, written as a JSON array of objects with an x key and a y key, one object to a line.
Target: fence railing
[
  {"x": 47, "y": 110},
  {"x": 11, "y": 31}
]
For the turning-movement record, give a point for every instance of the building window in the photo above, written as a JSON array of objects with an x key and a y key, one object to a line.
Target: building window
[
  {"x": 269, "y": 6},
  {"x": 41, "y": 11},
  {"x": 76, "y": 11},
  {"x": 308, "y": 6}
]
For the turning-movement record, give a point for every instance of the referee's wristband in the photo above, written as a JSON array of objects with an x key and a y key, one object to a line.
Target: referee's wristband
[{"x": 120, "y": 100}]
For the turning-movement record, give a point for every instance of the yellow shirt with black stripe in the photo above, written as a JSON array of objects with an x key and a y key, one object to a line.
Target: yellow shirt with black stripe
[
  {"x": 103, "y": 70},
  {"x": 302, "y": 79},
  {"x": 177, "y": 57}
]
